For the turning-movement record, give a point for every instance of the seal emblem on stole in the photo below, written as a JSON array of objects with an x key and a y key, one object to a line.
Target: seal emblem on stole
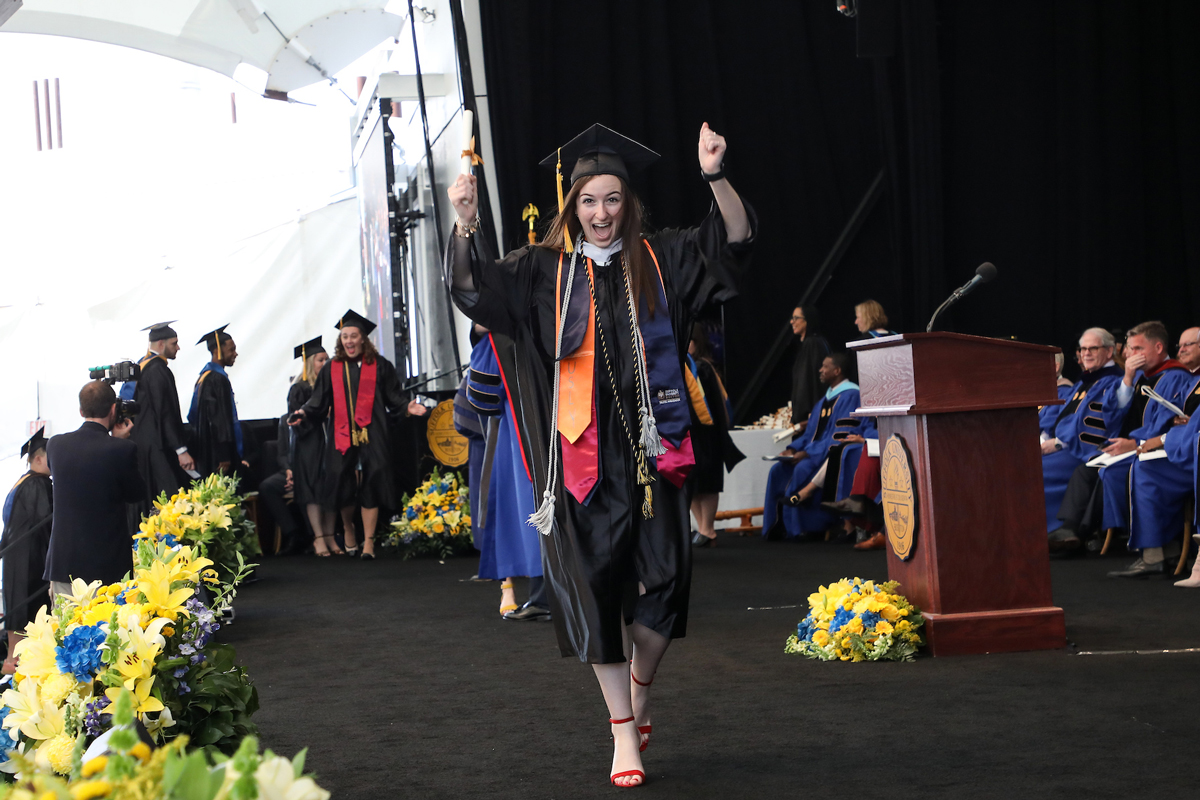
[{"x": 899, "y": 497}]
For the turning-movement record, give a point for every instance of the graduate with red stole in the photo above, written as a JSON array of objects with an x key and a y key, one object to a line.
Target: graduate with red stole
[{"x": 362, "y": 388}]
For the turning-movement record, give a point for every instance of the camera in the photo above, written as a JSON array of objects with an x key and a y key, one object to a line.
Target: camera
[{"x": 120, "y": 372}]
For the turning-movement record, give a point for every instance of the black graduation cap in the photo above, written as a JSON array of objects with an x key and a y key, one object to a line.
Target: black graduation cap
[
  {"x": 161, "y": 330},
  {"x": 309, "y": 348},
  {"x": 600, "y": 151},
  {"x": 356, "y": 320},
  {"x": 35, "y": 443},
  {"x": 214, "y": 339}
]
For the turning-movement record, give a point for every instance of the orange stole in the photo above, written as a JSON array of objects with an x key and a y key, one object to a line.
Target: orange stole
[{"x": 575, "y": 371}]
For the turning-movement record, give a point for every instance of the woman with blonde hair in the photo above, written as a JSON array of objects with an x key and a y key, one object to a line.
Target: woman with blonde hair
[
  {"x": 870, "y": 319},
  {"x": 307, "y": 450}
]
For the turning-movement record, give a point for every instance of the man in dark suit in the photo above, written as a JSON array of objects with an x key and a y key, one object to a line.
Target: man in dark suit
[{"x": 95, "y": 475}]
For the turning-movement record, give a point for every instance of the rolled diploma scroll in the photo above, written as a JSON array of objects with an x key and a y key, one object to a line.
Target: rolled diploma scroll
[{"x": 468, "y": 125}]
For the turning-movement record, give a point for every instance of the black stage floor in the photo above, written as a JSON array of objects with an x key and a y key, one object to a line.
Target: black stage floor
[{"x": 404, "y": 683}]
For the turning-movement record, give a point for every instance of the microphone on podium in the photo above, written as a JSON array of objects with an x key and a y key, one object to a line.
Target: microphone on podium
[{"x": 985, "y": 272}]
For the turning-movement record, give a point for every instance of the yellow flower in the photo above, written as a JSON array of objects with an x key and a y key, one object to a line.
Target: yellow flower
[
  {"x": 95, "y": 765},
  {"x": 59, "y": 752},
  {"x": 22, "y": 702},
  {"x": 99, "y": 612},
  {"x": 90, "y": 790},
  {"x": 903, "y": 626},
  {"x": 55, "y": 688},
  {"x": 141, "y": 689},
  {"x": 438, "y": 526},
  {"x": 854, "y": 626},
  {"x": 82, "y": 592},
  {"x": 883, "y": 626},
  {"x": 45, "y": 723},
  {"x": 140, "y": 751},
  {"x": 36, "y": 654},
  {"x": 890, "y": 613},
  {"x": 155, "y": 584},
  {"x": 820, "y": 638},
  {"x": 217, "y": 516}
]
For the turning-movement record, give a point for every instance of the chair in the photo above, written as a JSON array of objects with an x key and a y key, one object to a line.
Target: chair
[
  {"x": 746, "y": 515},
  {"x": 1188, "y": 512}
]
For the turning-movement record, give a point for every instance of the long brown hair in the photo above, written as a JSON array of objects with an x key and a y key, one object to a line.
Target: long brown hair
[
  {"x": 641, "y": 269},
  {"x": 369, "y": 353}
]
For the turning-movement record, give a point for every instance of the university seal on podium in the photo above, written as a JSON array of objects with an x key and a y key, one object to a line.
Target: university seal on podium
[
  {"x": 448, "y": 445},
  {"x": 899, "y": 497}
]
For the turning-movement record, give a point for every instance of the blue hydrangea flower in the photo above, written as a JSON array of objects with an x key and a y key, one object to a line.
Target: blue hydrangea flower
[
  {"x": 79, "y": 653},
  {"x": 869, "y": 618},
  {"x": 120, "y": 599},
  {"x": 411, "y": 513},
  {"x": 806, "y": 628},
  {"x": 839, "y": 619},
  {"x": 7, "y": 740},
  {"x": 169, "y": 540}
]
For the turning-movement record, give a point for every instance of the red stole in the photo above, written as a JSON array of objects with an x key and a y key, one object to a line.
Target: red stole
[{"x": 345, "y": 433}]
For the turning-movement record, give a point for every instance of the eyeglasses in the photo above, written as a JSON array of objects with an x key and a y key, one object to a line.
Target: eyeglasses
[
  {"x": 1188, "y": 344},
  {"x": 1089, "y": 349},
  {"x": 797, "y": 319}
]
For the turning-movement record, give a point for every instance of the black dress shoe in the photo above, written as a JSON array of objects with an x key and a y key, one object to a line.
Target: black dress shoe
[
  {"x": 1140, "y": 569},
  {"x": 528, "y": 612},
  {"x": 1063, "y": 539},
  {"x": 700, "y": 540}
]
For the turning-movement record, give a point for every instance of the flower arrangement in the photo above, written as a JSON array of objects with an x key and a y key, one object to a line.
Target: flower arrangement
[
  {"x": 131, "y": 769},
  {"x": 435, "y": 520},
  {"x": 208, "y": 516},
  {"x": 857, "y": 620},
  {"x": 150, "y": 635}
]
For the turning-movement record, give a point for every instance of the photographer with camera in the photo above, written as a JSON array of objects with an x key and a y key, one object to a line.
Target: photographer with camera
[
  {"x": 94, "y": 475},
  {"x": 163, "y": 455}
]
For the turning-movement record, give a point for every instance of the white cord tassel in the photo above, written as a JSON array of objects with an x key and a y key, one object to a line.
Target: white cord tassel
[
  {"x": 650, "y": 438},
  {"x": 543, "y": 518}
]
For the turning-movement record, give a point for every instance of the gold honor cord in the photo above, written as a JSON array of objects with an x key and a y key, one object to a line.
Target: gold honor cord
[
  {"x": 566, "y": 230},
  {"x": 357, "y": 435}
]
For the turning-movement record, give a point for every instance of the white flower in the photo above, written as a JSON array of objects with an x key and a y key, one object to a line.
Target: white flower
[
  {"x": 277, "y": 781},
  {"x": 155, "y": 726}
]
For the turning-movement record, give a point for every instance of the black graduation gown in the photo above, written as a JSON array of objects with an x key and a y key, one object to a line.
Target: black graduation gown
[
  {"x": 341, "y": 487},
  {"x": 212, "y": 427},
  {"x": 807, "y": 389},
  {"x": 595, "y": 555},
  {"x": 712, "y": 445},
  {"x": 28, "y": 533},
  {"x": 306, "y": 448},
  {"x": 158, "y": 429}
]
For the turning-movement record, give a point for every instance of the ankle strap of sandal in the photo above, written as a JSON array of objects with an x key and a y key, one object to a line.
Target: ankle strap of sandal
[
  {"x": 639, "y": 683},
  {"x": 620, "y": 721}
]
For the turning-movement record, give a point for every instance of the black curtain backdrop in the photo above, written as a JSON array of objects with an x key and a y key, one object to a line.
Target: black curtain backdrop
[{"x": 1057, "y": 140}]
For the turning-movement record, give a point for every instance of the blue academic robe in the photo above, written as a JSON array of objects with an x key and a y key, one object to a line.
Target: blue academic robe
[
  {"x": 1159, "y": 489},
  {"x": 828, "y": 418},
  {"x": 1082, "y": 428},
  {"x": 1048, "y": 415},
  {"x": 1174, "y": 384}
]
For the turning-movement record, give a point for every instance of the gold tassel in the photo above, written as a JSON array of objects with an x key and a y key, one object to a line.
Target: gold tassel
[
  {"x": 643, "y": 474},
  {"x": 648, "y": 505},
  {"x": 303, "y": 364},
  {"x": 567, "y": 246}
]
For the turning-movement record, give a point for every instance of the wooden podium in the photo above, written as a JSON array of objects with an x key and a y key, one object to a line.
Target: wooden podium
[{"x": 965, "y": 411}]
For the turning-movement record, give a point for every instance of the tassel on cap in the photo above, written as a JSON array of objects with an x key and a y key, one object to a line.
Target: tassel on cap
[{"x": 562, "y": 204}]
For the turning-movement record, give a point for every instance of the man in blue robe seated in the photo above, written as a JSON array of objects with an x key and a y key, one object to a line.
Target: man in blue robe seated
[
  {"x": 1079, "y": 429},
  {"x": 1162, "y": 480},
  {"x": 1096, "y": 499},
  {"x": 807, "y": 452}
]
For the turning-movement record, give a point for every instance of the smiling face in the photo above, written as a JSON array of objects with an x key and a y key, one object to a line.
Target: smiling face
[
  {"x": 799, "y": 323},
  {"x": 319, "y": 362},
  {"x": 351, "y": 339},
  {"x": 599, "y": 207},
  {"x": 1092, "y": 354}
]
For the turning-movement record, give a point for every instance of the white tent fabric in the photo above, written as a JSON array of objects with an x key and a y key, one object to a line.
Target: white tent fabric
[
  {"x": 276, "y": 289},
  {"x": 291, "y": 40}
]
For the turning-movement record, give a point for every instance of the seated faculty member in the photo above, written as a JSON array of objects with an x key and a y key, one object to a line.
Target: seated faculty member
[{"x": 94, "y": 475}]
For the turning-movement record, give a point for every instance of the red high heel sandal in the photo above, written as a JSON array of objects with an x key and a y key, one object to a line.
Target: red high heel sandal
[
  {"x": 642, "y": 729},
  {"x": 613, "y": 778}
]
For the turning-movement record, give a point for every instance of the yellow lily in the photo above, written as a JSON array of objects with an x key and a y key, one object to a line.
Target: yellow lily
[
  {"x": 155, "y": 584},
  {"x": 22, "y": 702},
  {"x": 82, "y": 592},
  {"x": 36, "y": 655},
  {"x": 141, "y": 689}
]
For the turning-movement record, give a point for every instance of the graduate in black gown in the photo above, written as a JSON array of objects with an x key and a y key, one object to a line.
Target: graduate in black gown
[
  {"x": 28, "y": 509},
  {"x": 362, "y": 389},
  {"x": 307, "y": 448},
  {"x": 606, "y": 432},
  {"x": 216, "y": 432},
  {"x": 162, "y": 449},
  {"x": 712, "y": 445}
]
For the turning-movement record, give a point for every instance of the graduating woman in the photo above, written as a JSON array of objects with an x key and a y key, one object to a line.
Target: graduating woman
[
  {"x": 27, "y": 512},
  {"x": 600, "y": 316},
  {"x": 362, "y": 388},
  {"x": 307, "y": 450}
]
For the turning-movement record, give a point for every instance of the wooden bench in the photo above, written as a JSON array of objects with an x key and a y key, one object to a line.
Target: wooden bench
[{"x": 746, "y": 515}]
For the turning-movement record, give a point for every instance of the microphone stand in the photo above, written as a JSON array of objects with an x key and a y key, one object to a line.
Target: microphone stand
[{"x": 957, "y": 295}]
